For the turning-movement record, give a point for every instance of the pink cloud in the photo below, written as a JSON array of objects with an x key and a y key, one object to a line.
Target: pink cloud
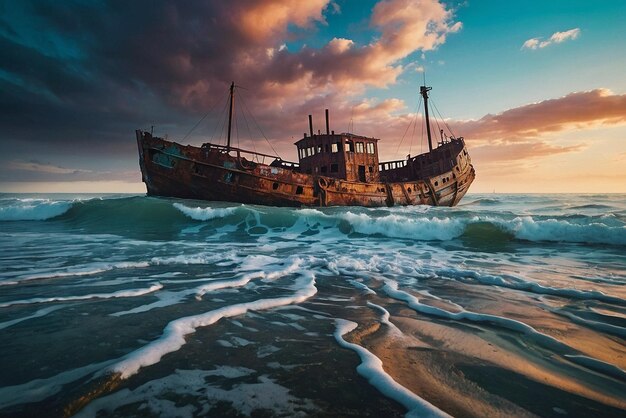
[
  {"x": 579, "y": 109},
  {"x": 513, "y": 135},
  {"x": 253, "y": 54}
]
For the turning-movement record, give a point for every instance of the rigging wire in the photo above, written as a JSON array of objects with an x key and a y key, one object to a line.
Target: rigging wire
[
  {"x": 222, "y": 136},
  {"x": 422, "y": 138},
  {"x": 414, "y": 124},
  {"x": 407, "y": 128},
  {"x": 258, "y": 127},
  {"x": 236, "y": 127},
  {"x": 413, "y": 132},
  {"x": 221, "y": 118},
  {"x": 438, "y": 127},
  {"x": 243, "y": 113},
  {"x": 200, "y": 121},
  {"x": 443, "y": 120}
]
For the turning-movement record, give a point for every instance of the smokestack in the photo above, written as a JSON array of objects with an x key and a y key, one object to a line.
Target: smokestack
[
  {"x": 311, "y": 124},
  {"x": 327, "y": 128}
]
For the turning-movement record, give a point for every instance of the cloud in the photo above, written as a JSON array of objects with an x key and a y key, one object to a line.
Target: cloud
[
  {"x": 40, "y": 167},
  {"x": 107, "y": 68},
  {"x": 578, "y": 110},
  {"x": 556, "y": 38},
  {"x": 521, "y": 151}
]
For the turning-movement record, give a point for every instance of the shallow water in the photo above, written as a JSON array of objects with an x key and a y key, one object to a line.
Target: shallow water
[{"x": 506, "y": 305}]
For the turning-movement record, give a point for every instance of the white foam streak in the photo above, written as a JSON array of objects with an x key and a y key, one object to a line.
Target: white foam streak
[
  {"x": 119, "y": 294},
  {"x": 88, "y": 270},
  {"x": 612, "y": 329},
  {"x": 38, "y": 314},
  {"x": 205, "y": 214},
  {"x": 385, "y": 318},
  {"x": 563, "y": 231},
  {"x": 245, "y": 279},
  {"x": 518, "y": 283},
  {"x": 361, "y": 286},
  {"x": 391, "y": 288},
  {"x": 371, "y": 368},
  {"x": 173, "y": 337},
  {"x": 598, "y": 365},
  {"x": 395, "y": 226}
]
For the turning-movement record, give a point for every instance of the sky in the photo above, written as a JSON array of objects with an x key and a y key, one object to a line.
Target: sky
[{"x": 537, "y": 88}]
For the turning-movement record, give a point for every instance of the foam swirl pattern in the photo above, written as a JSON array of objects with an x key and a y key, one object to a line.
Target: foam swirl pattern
[{"x": 506, "y": 305}]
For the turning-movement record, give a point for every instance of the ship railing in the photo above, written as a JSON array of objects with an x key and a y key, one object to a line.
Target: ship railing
[{"x": 254, "y": 156}]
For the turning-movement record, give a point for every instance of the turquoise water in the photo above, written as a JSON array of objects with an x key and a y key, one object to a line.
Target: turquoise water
[{"x": 506, "y": 305}]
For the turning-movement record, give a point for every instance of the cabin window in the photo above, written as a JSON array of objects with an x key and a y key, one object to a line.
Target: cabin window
[
  {"x": 436, "y": 183},
  {"x": 324, "y": 169},
  {"x": 316, "y": 169},
  {"x": 299, "y": 190},
  {"x": 319, "y": 149},
  {"x": 370, "y": 148},
  {"x": 335, "y": 147},
  {"x": 359, "y": 147},
  {"x": 275, "y": 186},
  {"x": 334, "y": 168},
  {"x": 349, "y": 146},
  {"x": 326, "y": 147},
  {"x": 371, "y": 169},
  {"x": 408, "y": 190}
]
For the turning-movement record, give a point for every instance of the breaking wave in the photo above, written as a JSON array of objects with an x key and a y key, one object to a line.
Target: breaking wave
[
  {"x": 167, "y": 218},
  {"x": 32, "y": 209}
]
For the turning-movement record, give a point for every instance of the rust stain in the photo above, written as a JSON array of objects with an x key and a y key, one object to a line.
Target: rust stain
[{"x": 333, "y": 170}]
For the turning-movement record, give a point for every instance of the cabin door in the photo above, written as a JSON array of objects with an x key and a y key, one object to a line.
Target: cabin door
[{"x": 362, "y": 173}]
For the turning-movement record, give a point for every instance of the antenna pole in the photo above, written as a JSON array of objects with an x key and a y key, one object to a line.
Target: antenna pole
[
  {"x": 424, "y": 92},
  {"x": 230, "y": 113}
]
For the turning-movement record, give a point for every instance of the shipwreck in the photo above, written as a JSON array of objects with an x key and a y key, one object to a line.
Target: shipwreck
[{"x": 332, "y": 170}]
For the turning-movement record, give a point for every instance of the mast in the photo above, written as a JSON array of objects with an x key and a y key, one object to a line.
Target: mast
[
  {"x": 424, "y": 92},
  {"x": 230, "y": 113}
]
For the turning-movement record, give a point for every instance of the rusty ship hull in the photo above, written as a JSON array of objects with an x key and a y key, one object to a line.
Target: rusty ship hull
[{"x": 217, "y": 173}]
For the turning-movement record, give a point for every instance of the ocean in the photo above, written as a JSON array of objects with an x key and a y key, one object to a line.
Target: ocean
[{"x": 120, "y": 305}]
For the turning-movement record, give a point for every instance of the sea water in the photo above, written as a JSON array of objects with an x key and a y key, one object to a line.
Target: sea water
[{"x": 506, "y": 305}]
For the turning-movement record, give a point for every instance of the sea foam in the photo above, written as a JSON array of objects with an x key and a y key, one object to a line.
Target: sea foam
[
  {"x": 371, "y": 368},
  {"x": 173, "y": 337},
  {"x": 560, "y": 230},
  {"x": 119, "y": 294},
  {"x": 205, "y": 214}
]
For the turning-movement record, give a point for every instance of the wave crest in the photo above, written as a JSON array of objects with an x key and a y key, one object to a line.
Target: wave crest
[
  {"x": 205, "y": 214},
  {"x": 33, "y": 210}
]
